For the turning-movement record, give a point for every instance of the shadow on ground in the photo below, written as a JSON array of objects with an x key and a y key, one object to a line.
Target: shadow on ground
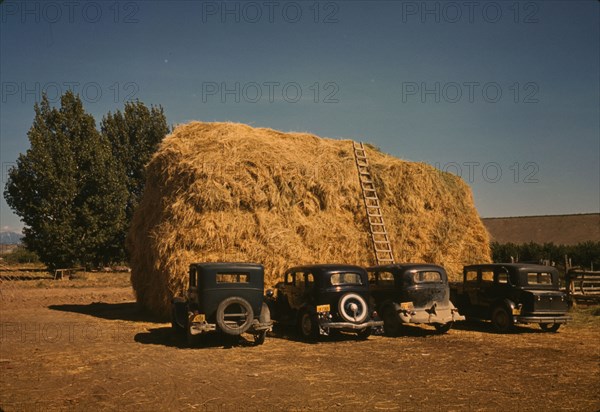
[
  {"x": 488, "y": 327},
  {"x": 165, "y": 336},
  {"x": 129, "y": 311}
]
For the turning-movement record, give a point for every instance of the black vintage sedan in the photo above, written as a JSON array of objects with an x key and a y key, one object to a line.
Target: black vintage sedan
[
  {"x": 319, "y": 299},
  {"x": 412, "y": 293},
  {"x": 510, "y": 293}
]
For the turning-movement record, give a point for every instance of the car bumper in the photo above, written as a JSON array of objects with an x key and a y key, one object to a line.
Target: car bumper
[
  {"x": 197, "y": 328},
  {"x": 543, "y": 319},
  {"x": 350, "y": 325},
  {"x": 441, "y": 316}
]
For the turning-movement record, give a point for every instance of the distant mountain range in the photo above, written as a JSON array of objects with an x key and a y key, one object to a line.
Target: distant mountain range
[{"x": 10, "y": 238}]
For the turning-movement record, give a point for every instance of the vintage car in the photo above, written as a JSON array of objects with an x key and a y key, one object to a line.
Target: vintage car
[
  {"x": 319, "y": 299},
  {"x": 510, "y": 293},
  {"x": 412, "y": 293},
  {"x": 225, "y": 297}
]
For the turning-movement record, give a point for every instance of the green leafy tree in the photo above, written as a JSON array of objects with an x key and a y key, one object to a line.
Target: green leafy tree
[
  {"x": 134, "y": 135},
  {"x": 67, "y": 188}
]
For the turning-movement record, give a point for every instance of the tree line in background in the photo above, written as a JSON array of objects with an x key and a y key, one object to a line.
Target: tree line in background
[
  {"x": 584, "y": 254},
  {"x": 76, "y": 187}
]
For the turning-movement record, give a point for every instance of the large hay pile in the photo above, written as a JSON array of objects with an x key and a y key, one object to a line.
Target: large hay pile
[{"x": 230, "y": 192}]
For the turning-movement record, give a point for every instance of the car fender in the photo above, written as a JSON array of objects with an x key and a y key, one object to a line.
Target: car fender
[{"x": 507, "y": 303}]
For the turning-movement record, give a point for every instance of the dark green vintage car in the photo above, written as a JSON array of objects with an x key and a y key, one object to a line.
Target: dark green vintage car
[{"x": 224, "y": 297}]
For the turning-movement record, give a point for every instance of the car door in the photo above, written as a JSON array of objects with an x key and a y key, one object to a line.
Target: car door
[
  {"x": 284, "y": 295},
  {"x": 488, "y": 290}
]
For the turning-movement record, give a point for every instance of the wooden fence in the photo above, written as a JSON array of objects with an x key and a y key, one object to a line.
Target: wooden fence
[{"x": 583, "y": 286}]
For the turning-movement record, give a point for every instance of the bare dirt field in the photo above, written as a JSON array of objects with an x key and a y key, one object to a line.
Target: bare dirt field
[{"x": 81, "y": 344}]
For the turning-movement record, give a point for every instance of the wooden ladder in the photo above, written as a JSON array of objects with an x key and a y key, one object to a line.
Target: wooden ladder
[{"x": 379, "y": 236}]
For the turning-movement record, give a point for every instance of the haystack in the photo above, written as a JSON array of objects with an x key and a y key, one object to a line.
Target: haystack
[{"x": 230, "y": 192}]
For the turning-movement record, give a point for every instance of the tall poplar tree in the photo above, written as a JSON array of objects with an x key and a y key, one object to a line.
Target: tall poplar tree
[{"x": 68, "y": 188}]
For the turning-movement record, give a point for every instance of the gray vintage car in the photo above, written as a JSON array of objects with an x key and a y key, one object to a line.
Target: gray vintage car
[{"x": 412, "y": 293}]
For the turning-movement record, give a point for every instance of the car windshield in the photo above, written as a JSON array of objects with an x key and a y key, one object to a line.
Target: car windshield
[
  {"x": 346, "y": 278},
  {"x": 427, "y": 277},
  {"x": 539, "y": 278}
]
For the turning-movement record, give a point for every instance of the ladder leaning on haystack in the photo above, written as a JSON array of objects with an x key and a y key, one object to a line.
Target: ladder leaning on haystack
[{"x": 379, "y": 236}]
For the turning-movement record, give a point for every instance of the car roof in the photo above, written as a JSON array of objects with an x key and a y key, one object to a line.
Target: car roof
[
  {"x": 241, "y": 266},
  {"x": 327, "y": 267},
  {"x": 406, "y": 266},
  {"x": 516, "y": 266}
]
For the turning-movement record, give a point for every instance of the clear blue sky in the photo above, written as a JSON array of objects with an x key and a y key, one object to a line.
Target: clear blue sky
[{"x": 505, "y": 93}]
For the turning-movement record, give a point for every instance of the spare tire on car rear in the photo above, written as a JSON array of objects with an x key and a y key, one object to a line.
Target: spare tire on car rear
[
  {"x": 353, "y": 308},
  {"x": 234, "y": 315}
]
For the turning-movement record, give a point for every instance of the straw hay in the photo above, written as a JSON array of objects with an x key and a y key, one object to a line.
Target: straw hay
[{"x": 230, "y": 192}]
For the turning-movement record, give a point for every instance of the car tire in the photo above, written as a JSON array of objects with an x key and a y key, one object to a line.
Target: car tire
[
  {"x": 259, "y": 337},
  {"x": 549, "y": 327},
  {"x": 265, "y": 314},
  {"x": 502, "y": 319},
  {"x": 364, "y": 334},
  {"x": 443, "y": 327},
  {"x": 238, "y": 322},
  {"x": 391, "y": 323},
  {"x": 175, "y": 326},
  {"x": 350, "y": 301},
  {"x": 307, "y": 326},
  {"x": 192, "y": 340}
]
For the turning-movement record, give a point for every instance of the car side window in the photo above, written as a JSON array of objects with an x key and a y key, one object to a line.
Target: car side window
[
  {"x": 386, "y": 278},
  {"x": 300, "y": 280},
  {"x": 487, "y": 276},
  {"x": 310, "y": 280},
  {"x": 289, "y": 278},
  {"x": 372, "y": 278},
  {"x": 502, "y": 277},
  {"x": 471, "y": 276}
]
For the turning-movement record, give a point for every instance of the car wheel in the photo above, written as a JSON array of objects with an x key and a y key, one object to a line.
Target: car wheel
[
  {"x": 175, "y": 326},
  {"x": 265, "y": 314},
  {"x": 391, "y": 323},
  {"x": 307, "y": 326},
  {"x": 192, "y": 340},
  {"x": 502, "y": 319},
  {"x": 259, "y": 337},
  {"x": 234, "y": 316},
  {"x": 443, "y": 327},
  {"x": 549, "y": 327},
  {"x": 353, "y": 308},
  {"x": 364, "y": 334}
]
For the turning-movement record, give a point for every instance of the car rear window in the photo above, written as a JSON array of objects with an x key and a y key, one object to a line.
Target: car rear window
[
  {"x": 539, "y": 278},
  {"x": 232, "y": 278},
  {"x": 346, "y": 278},
  {"x": 427, "y": 277}
]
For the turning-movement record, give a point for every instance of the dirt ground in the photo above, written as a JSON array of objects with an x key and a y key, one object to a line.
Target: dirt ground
[{"x": 67, "y": 346}]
